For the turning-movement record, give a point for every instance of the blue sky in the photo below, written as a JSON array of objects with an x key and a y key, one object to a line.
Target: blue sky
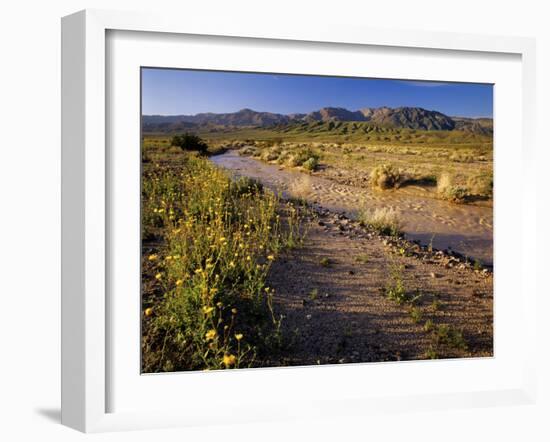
[{"x": 177, "y": 91}]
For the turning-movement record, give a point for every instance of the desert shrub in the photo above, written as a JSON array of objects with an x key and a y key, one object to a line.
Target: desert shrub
[
  {"x": 481, "y": 185},
  {"x": 383, "y": 220},
  {"x": 271, "y": 154},
  {"x": 311, "y": 164},
  {"x": 189, "y": 141},
  {"x": 447, "y": 189},
  {"x": 386, "y": 176},
  {"x": 299, "y": 157},
  {"x": 283, "y": 157}
]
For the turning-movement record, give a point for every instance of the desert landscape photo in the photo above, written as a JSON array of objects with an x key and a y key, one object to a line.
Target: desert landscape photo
[{"x": 296, "y": 220}]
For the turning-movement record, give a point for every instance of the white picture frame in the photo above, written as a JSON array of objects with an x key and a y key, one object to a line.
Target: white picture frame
[{"x": 85, "y": 235}]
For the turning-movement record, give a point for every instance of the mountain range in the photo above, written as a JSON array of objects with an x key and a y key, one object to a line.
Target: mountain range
[{"x": 401, "y": 117}]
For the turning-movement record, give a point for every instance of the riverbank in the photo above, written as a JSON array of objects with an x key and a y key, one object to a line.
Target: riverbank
[{"x": 352, "y": 295}]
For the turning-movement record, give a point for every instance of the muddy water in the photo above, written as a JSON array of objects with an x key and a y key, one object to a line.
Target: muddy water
[{"x": 466, "y": 229}]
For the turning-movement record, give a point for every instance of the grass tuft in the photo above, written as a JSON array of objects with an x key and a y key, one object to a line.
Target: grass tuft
[{"x": 385, "y": 221}]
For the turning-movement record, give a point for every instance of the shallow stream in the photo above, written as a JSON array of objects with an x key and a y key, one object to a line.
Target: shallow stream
[{"x": 464, "y": 228}]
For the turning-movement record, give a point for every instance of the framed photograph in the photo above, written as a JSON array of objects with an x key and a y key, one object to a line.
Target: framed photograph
[{"x": 291, "y": 223}]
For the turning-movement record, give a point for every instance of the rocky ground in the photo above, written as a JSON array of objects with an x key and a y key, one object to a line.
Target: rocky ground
[{"x": 351, "y": 295}]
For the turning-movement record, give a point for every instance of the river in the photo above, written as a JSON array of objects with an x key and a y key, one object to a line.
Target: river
[{"x": 464, "y": 228}]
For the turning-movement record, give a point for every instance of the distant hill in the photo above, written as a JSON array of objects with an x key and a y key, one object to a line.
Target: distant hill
[
  {"x": 409, "y": 117},
  {"x": 475, "y": 125},
  {"x": 244, "y": 117},
  {"x": 401, "y": 117}
]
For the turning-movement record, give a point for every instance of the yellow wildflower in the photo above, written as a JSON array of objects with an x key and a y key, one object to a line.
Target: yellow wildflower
[
  {"x": 234, "y": 311},
  {"x": 207, "y": 310},
  {"x": 219, "y": 305},
  {"x": 179, "y": 282},
  {"x": 158, "y": 275},
  {"x": 211, "y": 334},
  {"x": 238, "y": 336},
  {"x": 229, "y": 360},
  {"x": 270, "y": 257},
  {"x": 152, "y": 257},
  {"x": 148, "y": 311}
]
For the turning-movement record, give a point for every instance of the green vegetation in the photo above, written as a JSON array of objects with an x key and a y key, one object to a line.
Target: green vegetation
[
  {"x": 311, "y": 163},
  {"x": 189, "y": 141},
  {"x": 344, "y": 132},
  {"x": 478, "y": 265},
  {"x": 428, "y": 325},
  {"x": 313, "y": 294},
  {"x": 206, "y": 303},
  {"x": 416, "y": 315},
  {"x": 445, "y": 335},
  {"x": 395, "y": 288},
  {"x": 325, "y": 262},
  {"x": 444, "y": 339}
]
